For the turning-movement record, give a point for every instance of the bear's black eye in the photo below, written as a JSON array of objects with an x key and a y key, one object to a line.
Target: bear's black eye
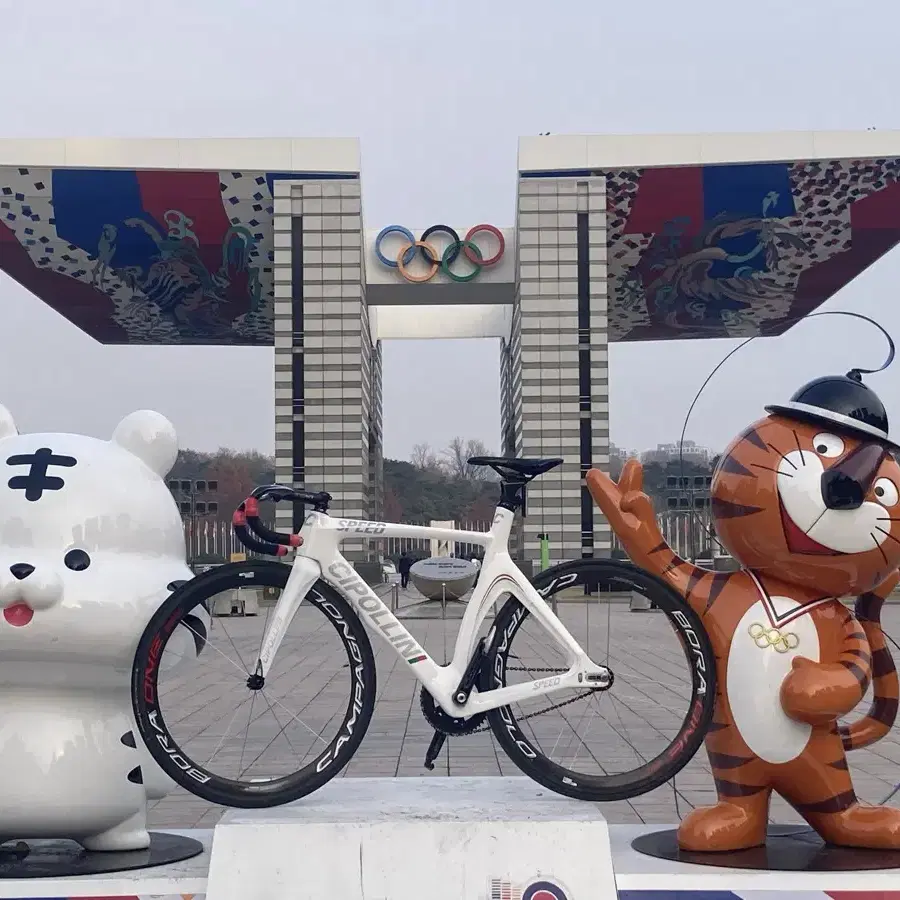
[{"x": 77, "y": 560}]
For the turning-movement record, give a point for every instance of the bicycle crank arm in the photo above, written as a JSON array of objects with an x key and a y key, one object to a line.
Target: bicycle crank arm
[{"x": 434, "y": 749}]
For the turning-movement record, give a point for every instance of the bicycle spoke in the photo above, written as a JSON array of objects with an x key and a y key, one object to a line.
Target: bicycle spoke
[
  {"x": 606, "y": 745},
  {"x": 307, "y": 697}
]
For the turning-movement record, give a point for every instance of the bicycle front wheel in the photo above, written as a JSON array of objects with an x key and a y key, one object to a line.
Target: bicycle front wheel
[
  {"x": 615, "y": 743},
  {"x": 221, "y": 735}
]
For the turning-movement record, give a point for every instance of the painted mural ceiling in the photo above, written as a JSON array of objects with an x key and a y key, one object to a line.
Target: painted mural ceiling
[
  {"x": 176, "y": 257},
  {"x": 145, "y": 257},
  {"x": 735, "y": 250}
]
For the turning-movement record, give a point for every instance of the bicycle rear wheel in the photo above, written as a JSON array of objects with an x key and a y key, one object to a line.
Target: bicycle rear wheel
[
  {"x": 652, "y": 719},
  {"x": 235, "y": 745}
]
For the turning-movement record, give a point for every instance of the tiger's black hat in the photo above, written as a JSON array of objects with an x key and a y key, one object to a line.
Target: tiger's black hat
[{"x": 844, "y": 403}]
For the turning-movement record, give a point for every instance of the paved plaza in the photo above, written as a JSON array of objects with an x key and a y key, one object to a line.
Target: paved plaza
[{"x": 395, "y": 744}]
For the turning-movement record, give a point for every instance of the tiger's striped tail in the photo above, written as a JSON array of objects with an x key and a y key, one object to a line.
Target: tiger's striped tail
[{"x": 885, "y": 685}]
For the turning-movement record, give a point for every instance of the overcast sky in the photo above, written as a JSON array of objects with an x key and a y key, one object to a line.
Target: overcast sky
[{"x": 438, "y": 94}]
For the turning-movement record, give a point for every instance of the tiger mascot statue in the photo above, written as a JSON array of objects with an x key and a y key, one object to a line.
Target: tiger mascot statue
[{"x": 806, "y": 501}]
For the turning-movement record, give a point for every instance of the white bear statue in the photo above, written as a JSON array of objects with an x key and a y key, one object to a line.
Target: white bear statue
[{"x": 91, "y": 543}]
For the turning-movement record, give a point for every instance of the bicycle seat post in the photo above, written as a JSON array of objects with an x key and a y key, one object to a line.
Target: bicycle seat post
[
  {"x": 515, "y": 473},
  {"x": 513, "y": 495}
]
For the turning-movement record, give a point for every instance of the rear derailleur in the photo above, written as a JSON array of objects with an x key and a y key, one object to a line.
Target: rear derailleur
[{"x": 444, "y": 725}]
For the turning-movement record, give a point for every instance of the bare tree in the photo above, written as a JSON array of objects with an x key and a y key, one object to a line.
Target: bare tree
[
  {"x": 455, "y": 459},
  {"x": 424, "y": 458}
]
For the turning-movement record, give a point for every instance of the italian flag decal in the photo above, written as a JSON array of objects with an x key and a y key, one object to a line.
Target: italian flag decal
[{"x": 416, "y": 659}]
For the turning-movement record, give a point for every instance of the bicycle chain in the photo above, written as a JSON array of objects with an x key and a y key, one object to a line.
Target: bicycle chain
[{"x": 539, "y": 712}]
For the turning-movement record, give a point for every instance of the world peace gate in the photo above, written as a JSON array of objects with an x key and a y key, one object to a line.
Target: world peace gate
[{"x": 610, "y": 238}]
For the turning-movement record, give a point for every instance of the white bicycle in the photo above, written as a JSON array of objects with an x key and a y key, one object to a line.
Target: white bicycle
[{"x": 306, "y": 730}]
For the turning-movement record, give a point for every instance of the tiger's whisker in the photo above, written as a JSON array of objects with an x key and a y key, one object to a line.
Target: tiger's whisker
[
  {"x": 878, "y": 528},
  {"x": 799, "y": 448},
  {"x": 782, "y": 455},
  {"x": 880, "y": 548},
  {"x": 770, "y": 469}
]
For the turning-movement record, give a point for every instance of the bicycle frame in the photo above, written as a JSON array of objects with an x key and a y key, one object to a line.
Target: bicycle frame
[{"x": 319, "y": 557}]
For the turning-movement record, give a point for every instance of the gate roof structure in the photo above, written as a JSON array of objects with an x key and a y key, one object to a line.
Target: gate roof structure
[{"x": 171, "y": 241}]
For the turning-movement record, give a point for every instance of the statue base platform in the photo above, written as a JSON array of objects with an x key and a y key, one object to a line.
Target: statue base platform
[
  {"x": 711, "y": 874},
  {"x": 455, "y": 839},
  {"x": 64, "y": 859},
  {"x": 788, "y": 848},
  {"x": 409, "y": 838}
]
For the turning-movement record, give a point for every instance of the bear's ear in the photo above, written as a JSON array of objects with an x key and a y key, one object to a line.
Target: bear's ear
[
  {"x": 150, "y": 437},
  {"x": 7, "y": 424}
]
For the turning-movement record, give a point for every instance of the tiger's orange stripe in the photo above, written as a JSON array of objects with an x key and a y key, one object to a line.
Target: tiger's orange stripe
[
  {"x": 855, "y": 656},
  {"x": 727, "y": 760},
  {"x": 834, "y": 804},
  {"x": 726, "y": 788},
  {"x": 686, "y": 578}
]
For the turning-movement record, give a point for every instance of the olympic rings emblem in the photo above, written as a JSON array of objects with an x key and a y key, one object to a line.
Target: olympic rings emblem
[
  {"x": 439, "y": 261},
  {"x": 772, "y": 637}
]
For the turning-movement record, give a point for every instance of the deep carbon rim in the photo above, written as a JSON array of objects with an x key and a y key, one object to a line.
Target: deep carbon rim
[
  {"x": 196, "y": 777},
  {"x": 695, "y": 644}
]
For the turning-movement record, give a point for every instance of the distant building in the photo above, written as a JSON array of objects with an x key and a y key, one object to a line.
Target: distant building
[
  {"x": 690, "y": 452},
  {"x": 621, "y": 453},
  {"x": 687, "y": 491}
]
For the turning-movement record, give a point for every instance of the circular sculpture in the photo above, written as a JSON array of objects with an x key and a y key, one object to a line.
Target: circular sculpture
[
  {"x": 443, "y": 577},
  {"x": 439, "y": 261}
]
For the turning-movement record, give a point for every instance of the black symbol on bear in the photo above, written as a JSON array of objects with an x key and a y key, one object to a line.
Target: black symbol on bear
[{"x": 37, "y": 480}]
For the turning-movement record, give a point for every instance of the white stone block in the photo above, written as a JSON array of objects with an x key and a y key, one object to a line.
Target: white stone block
[{"x": 409, "y": 838}]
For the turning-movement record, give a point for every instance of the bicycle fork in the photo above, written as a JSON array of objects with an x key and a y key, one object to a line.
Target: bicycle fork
[{"x": 305, "y": 572}]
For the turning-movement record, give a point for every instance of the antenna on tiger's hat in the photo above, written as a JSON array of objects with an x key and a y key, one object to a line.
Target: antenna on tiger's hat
[{"x": 843, "y": 402}]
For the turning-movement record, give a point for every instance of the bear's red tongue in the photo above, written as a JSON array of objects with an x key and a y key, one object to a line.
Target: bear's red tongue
[{"x": 18, "y": 614}]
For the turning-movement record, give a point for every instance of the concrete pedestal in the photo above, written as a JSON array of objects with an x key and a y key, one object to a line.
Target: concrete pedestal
[{"x": 409, "y": 838}]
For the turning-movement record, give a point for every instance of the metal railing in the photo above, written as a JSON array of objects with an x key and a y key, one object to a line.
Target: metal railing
[
  {"x": 212, "y": 541},
  {"x": 688, "y": 535},
  {"x": 396, "y": 546},
  {"x": 688, "y": 532},
  {"x": 216, "y": 541}
]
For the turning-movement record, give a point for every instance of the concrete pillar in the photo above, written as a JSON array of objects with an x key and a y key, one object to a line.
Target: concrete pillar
[
  {"x": 559, "y": 357},
  {"x": 324, "y": 354}
]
